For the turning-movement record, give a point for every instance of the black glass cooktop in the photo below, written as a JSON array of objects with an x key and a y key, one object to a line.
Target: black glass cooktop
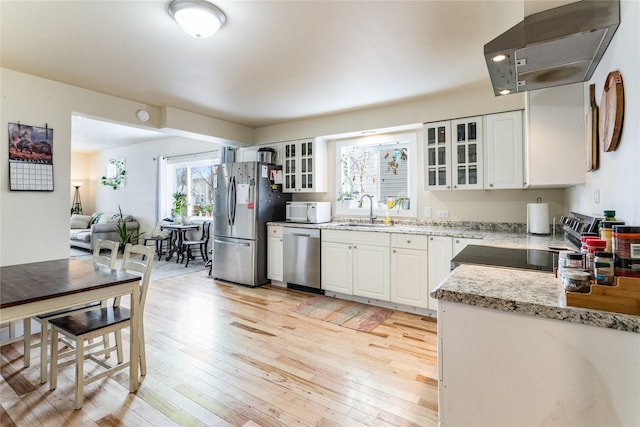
[{"x": 524, "y": 259}]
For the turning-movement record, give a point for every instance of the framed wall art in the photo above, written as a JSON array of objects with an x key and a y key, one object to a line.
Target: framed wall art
[
  {"x": 591, "y": 132},
  {"x": 30, "y": 158}
]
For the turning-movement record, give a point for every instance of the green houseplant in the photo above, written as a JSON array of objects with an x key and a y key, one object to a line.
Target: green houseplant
[
  {"x": 179, "y": 204},
  {"x": 126, "y": 236}
]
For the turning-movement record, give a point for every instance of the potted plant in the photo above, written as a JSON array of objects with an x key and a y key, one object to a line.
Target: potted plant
[
  {"x": 180, "y": 205},
  {"x": 126, "y": 236}
]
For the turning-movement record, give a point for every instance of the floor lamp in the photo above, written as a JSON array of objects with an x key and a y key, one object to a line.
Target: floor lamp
[{"x": 76, "y": 205}]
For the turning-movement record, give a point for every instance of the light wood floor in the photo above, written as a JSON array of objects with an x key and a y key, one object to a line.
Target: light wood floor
[{"x": 221, "y": 354}]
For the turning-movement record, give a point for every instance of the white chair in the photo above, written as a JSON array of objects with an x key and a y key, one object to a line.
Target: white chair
[
  {"x": 82, "y": 326},
  {"x": 108, "y": 259}
]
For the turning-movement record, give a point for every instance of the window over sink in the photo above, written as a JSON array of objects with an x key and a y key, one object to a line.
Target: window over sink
[{"x": 381, "y": 166}]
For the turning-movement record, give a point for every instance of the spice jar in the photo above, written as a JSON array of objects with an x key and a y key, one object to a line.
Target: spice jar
[
  {"x": 626, "y": 250},
  {"x": 593, "y": 246},
  {"x": 603, "y": 268},
  {"x": 606, "y": 232},
  {"x": 576, "y": 281},
  {"x": 609, "y": 215}
]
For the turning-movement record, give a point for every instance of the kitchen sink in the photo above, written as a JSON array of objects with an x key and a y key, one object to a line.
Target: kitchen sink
[{"x": 361, "y": 224}]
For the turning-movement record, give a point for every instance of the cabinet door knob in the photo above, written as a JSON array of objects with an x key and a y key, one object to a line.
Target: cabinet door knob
[
  {"x": 430, "y": 238},
  {"x": 408, "y": 241},
  {"x": 349, "y": 247},
  {"x": 355, "y": 247},
  {"x": 394, "y": 251},
  {"x": 490, "y": 185}
]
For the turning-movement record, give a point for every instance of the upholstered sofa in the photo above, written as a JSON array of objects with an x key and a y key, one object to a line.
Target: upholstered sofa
[{"x": 85, "y": 230}]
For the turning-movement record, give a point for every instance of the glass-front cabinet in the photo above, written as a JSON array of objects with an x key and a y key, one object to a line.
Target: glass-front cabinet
[
  {"x": 437, "y": 141},
  {"x": 467, "y": 164},
  {"x": 303, "y": 166},
  {"x": 453, "y": 154}
]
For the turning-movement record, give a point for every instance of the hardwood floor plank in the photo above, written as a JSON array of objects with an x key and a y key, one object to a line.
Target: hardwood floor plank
[{"x": 220, "y": 354}]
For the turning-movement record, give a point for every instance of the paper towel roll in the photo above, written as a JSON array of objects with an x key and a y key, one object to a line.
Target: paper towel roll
[{"x": 538, "y": 218}]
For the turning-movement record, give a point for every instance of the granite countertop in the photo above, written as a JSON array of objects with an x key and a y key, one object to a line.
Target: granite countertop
[
  {"x": 482, "y": 231},
  {"x": 526, "y": 292},
  {"x": 520, "y": 291}
]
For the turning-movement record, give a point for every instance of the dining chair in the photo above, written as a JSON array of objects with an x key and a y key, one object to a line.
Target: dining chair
[
  {"x": 83, "y": 326},
  {"x": 99, "y": 257},
  {"x": 159, "y": 237},
  {"x": 200, "y": 243}
]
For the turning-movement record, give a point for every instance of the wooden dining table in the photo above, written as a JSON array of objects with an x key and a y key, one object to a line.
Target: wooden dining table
[{"x": 27, "y": 290}]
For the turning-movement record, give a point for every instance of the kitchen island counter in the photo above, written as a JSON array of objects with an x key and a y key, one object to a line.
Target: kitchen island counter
[
  {"x": 510, "y": 352},
  {"x": 526, "y": 292}
]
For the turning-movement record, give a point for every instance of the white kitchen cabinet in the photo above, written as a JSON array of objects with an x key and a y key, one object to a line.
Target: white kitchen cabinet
[
  {"x": 454, "y": 154},
  {"x": 409, "y": 279},
  {"x": 275, "y": 250},
  {"x": 556, "y": 136},
  {"x": 250, "y": 154},
  {"x": 356, "y": 263},
  {"x": 440, "y": 253},
  {"x": 437, "y": 155},
  {"x": 467, "y": 161},
  {"x": 504, "y": 151},
  {"x": 304, "y": 166}
]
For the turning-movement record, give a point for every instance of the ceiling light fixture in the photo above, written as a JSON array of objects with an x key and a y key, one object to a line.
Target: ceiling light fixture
[
  {"x": 499, "y": 58},
  {"x": 505, "y": 92},
  {"x": 198, "y": 18}
]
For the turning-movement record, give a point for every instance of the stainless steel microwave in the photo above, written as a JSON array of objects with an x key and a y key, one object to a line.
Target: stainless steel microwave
[{"x": 309, "y": 212}]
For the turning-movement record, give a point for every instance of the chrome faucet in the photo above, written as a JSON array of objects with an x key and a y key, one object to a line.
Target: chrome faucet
[{"x": 371, "y": 217}]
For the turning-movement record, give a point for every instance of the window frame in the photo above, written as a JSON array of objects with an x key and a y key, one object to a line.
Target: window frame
[
  {"x": 410, "y": 138},
  {"x": 171, "y": 185}
]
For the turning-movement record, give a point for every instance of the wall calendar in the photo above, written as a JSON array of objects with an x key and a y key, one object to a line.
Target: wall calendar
[{"x": 30, "y": 158}]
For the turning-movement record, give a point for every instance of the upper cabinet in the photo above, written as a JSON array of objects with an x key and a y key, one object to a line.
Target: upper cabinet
[
  {"x": 504, "y": 151},
  {"x": 304, "y": 166},
  {"x": 250, "y": 154},
  {"x": 467, "y": 160},
  {"x": 437, "y": 153},
  {"x": 556, "y": 136}
]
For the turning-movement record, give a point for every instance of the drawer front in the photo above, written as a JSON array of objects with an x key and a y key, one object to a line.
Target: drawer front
[
  {"x": 274, "y": 230},
  {"x": 409, "y": 241},
  {"x": 361, "y": 237}
]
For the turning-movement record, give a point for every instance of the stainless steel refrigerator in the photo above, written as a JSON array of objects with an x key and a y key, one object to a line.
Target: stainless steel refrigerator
[{"x": 247, "y": 195}]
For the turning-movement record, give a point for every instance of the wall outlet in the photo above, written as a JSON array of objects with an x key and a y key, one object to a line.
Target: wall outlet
[
  {"x": 596, "y": 196},
  {"x": 427, "y": 213},
  {"x": 443, "y": 214}
]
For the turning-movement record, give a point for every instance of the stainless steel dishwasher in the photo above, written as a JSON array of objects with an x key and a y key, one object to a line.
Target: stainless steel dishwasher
[{"x": 302, "y": 258}]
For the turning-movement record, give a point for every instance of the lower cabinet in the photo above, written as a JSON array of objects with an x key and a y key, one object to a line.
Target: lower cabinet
[
  {"x": 409, "y": 259},
  {"x": 337, "y": 267},
  {"x": 356, "y": 263},
  {"x": 398, "y": 268},
  {"x": 441, "y": 250},
  {"x": 275, "y": 251}
]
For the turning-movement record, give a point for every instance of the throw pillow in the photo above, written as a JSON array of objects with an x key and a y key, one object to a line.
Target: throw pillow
[{"x": 80, "y": 221}]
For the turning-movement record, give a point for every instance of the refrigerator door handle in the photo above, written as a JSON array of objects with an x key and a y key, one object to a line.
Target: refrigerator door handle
[
  {"x": 229, "y": 202},
  {"x": 224, "y": 242},
  {"x": 233, "y": 201}
]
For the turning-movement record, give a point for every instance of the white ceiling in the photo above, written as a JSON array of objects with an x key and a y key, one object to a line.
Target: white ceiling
[{"x": 272, "y": 62}]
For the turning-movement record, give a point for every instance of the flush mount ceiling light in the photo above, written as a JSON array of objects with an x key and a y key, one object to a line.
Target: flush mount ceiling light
[{"x": 198, "y": 18}]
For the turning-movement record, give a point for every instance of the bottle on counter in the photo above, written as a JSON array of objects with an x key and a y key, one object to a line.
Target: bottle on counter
[
  {"x": 609, "y": 215},
  {"x": 584, "y": 249},
  {"x": 606, "y": 232},
  {"x": 593, "y": 246},
  {"x": 603, "y": 268},
  {"x": 626, "y": 250}
]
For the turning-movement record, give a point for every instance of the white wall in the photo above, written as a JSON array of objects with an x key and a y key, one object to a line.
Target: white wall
[
  {"x": 34, "y": 226},
  {"x": 618, "y": 177},
  {"x": 138, "y": 196}
]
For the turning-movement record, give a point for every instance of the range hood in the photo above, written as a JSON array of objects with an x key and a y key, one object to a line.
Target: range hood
[{"x": 552, "y": 48}]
